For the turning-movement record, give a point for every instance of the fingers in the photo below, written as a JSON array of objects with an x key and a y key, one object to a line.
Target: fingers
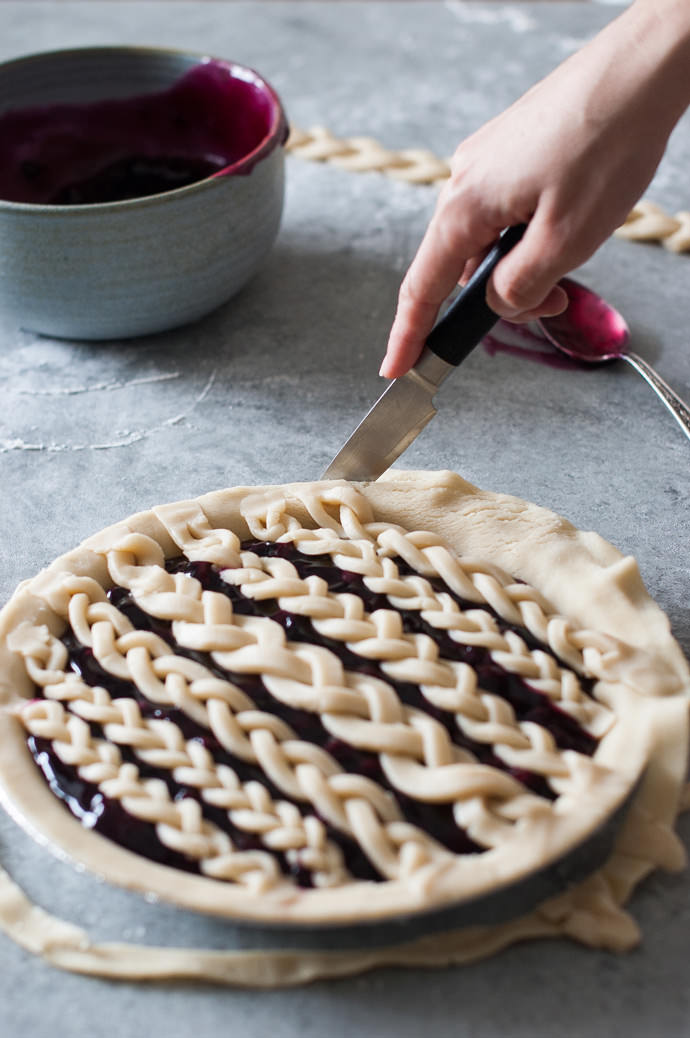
[
  {"x": 555, "y": 303},
  {"x": 523, "y": 292},
  {"x": 431, "y": 278},
  {"x": 522, "y": 288},
  {"x": 414, "y": 319},
  {"x": 523, "y": 284},
  {"x": 433, "y": 274}
]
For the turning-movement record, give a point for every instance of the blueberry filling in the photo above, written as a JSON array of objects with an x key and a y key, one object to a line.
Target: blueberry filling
[
  {"x": 108, "y": 820},
  {"x": 135, "y": 177},
  {"x": 108, "y": 817},
  {"x": 213, "y": 118},
  {"x": 100, "y": 813}
]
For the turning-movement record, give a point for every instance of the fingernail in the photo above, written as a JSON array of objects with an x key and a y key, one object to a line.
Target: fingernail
[{"x": 385, "y": 363}]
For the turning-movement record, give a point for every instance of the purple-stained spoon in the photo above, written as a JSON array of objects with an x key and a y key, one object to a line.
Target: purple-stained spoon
[{"x": 592, "y": 331}]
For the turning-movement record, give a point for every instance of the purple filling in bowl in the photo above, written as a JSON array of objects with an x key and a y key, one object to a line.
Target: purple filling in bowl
[
  {"x": 217, "y": 118},
  {"x": 140, "y": 188}
]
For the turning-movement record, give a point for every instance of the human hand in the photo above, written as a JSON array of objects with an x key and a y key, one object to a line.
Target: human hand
[{"x": 570, "y": 159}]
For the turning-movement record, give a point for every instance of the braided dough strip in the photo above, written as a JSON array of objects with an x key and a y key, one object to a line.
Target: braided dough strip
[
  {"x": 303, "y": 772},
  {"x": 355, "y": 804},
  {"x": 179, "y": 825},
  {"x": 341, "y": 617},
  {"x": 304, "y": 671},
  {"x": 364, "y": 154},
  {"x": 646, "y": 222}
]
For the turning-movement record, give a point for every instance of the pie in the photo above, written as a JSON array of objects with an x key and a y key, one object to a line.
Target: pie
[{"x": 342, "y": 704}]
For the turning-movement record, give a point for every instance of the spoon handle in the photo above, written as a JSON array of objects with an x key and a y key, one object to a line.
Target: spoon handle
[{"x": 678, "y": 408}]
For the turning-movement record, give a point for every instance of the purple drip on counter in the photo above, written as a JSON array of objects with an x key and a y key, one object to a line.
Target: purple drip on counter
[
  {"x": 212, "y": 119},
  {"x": 107, "y": 816}
]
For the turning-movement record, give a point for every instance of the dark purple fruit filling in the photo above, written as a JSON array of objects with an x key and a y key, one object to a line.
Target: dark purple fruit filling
[
  {"x": 435, "y": 818},
  {"x": 100, "y": 813},
  {"x": 107, "y": 151},
  {"x": 108, "y": 817},
  {"x": 136, "y": 177}
]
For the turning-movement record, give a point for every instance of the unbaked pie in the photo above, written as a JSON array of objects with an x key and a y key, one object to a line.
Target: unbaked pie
[{"x": 333, "y": 704}]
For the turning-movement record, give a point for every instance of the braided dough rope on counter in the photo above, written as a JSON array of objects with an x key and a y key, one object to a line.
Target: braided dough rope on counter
[
  {"x": 364, "y": 155},
  {"x": 646, "y": 222}
]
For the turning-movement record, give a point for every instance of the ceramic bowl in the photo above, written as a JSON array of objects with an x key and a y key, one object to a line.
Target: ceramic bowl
[{"x": 79, "y": 129}]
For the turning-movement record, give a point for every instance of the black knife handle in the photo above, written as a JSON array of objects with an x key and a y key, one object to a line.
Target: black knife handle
[{"x": 468, "y": 319}]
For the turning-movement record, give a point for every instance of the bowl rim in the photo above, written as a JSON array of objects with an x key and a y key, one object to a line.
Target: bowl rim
[{"x": 275, "y": 137}]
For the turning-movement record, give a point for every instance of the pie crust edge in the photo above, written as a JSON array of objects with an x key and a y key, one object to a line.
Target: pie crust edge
[{"x": 573, "y": 569}]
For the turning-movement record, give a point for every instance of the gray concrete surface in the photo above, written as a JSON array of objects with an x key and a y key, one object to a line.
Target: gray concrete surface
[{"x": 267, "y": 388}]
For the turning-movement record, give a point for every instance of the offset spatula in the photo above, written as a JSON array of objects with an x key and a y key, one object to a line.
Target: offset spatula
[{"x": 407, "y": 405}]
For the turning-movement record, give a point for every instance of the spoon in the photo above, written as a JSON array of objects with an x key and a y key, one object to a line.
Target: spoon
[{"x": 591, "y": 331}]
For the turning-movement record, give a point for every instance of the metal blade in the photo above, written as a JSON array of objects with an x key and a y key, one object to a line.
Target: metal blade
[{"x": 395, "y": 420}]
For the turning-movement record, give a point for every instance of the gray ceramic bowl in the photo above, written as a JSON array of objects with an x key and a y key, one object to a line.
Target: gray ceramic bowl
[{"x": 75, "y": 266}]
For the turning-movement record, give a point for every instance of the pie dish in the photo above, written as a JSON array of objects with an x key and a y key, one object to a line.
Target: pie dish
[{"x": 331, "y": 704}]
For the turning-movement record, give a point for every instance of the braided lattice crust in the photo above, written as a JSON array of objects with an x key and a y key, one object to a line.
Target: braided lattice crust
[{"x": 461, "y": 748}]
